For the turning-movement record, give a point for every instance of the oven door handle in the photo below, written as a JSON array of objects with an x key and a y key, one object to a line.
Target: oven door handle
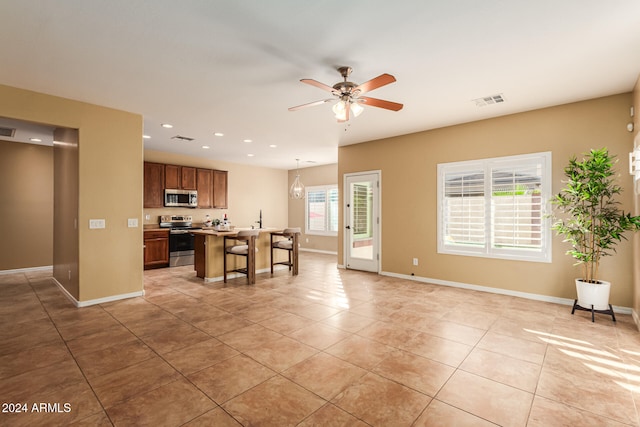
[{"x": 179, "y": 232}]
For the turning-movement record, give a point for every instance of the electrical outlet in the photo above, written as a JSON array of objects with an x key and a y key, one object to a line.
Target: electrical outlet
[
  {"x": 415, "y": 261},
  {"x": 147, "y": 217},
  {"x": 132, "y": 222},
  {"x": 97, "y": 223}
]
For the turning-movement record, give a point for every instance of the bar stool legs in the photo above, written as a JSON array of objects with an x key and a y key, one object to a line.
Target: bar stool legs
[
  {"x": 247, "y": 250},
  {"x": 290, "y": 244}
]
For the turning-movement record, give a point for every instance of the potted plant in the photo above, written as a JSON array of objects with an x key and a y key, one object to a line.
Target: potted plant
[{"x": 590, "y": 219}]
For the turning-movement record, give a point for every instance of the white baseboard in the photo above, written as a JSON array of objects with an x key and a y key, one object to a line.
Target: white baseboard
[
  {"x": 537, "y": 297},
  {"x": 88, "y": 303},
  {"x": 27, "y": 270},
  {"x": 318, "y": 251}
]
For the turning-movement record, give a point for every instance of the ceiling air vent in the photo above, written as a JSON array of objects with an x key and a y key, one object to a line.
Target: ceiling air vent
[
  {"x": 489, "y": 100},
  {"x": 7, "y": 132},
  {"x": 182, "y": 138}
]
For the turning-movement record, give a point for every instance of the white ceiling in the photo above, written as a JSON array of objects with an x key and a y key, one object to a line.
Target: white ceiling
[{"x": 234, "y": 66}]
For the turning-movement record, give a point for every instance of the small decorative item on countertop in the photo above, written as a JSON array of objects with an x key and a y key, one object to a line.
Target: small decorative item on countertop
[{"x": 207, "y": 221}]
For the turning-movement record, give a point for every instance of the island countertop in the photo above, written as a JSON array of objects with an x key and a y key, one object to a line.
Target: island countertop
[{"x": 210, "y": 231}]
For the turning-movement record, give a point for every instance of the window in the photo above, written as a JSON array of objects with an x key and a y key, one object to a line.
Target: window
[
  {"x": 495, "y": 207},
  {"x": 322, "y": 210},
  {"x": 362, "y": 200}
]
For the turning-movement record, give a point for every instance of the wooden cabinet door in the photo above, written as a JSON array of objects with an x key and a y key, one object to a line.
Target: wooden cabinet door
[
  {"x": 172, "y": 177},
  {"x": 179, "y": 177},
  {"x": 153, "y": 185},
  {"x": 220, "y": 189},
  {"x": 188, "y": 178},
  {"x": 205, "y": 188},
  {"x": 156, "y": 249}
]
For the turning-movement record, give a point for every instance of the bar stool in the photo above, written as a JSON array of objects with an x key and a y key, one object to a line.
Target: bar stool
[
  {"x": 247, "y": 250},
  {"x": 290, "y": 244}
]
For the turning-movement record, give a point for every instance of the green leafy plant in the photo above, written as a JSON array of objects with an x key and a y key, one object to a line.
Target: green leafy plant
[{"x": 590, "y": 218}]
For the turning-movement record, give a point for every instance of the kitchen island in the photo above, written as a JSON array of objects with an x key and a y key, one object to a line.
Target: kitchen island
[{"x": 209, "y": 253}]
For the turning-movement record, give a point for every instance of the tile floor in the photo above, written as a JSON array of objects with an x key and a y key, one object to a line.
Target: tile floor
[{"x": 328, "y": 347}]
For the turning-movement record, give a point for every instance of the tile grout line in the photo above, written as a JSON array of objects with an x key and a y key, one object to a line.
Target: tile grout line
[{"x": 72, "y": 356}]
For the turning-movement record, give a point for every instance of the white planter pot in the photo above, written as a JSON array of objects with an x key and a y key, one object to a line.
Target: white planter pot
[{"x": 596, "y": 294}]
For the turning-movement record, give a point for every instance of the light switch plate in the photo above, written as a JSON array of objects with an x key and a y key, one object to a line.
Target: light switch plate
[
  {"x": 132, "y": 222},
  {"x": 97, "y": 223}
]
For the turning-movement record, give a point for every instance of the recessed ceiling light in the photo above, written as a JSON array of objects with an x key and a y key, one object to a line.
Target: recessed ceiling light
[
  {"x": 167, "y": 126},
  {"x": 146, "y": 137},
  {"x": 247, "y": 140},
  {"x": 218, "y": 134},
  {"x": 206, "y": 147},
  {"x": 272, "y": 146},
  {"x": 250, "y": 155}
]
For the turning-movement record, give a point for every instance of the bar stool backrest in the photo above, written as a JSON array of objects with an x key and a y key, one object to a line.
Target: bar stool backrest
[{"x": 248, "y": 233}]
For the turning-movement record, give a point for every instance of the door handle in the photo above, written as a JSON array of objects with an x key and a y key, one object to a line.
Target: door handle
[{"x": 348, "y": 227}]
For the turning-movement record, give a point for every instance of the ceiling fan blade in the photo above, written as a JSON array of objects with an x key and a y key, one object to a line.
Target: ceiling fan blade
[
  {"x": 319, "y": 85},
  {"x": 375, "y": 83},
  {"x": 310, "y": 104},
  {"x": 380, "y": 103}
]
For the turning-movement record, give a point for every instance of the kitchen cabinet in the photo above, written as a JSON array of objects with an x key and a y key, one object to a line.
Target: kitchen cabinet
[
  {"x": 156, "y": 249},
  {"x": 204, "y": 186},
  {"x": 153, "y": 185},
  {"x": 179, "y": 177},
  {"x": 220, "y": 189}
]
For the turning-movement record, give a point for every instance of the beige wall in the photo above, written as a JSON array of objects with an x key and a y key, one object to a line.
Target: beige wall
[
  {"x": 110, "y": 186},
  {"x": 636, "y": 199},
  {"x": 250, "y": 189},
  {"x": 408, "y": 198},
  {"x": 318, "y": 175},
  {"x": 66, "y": 203},
  {"x": 26, "y": 205}
]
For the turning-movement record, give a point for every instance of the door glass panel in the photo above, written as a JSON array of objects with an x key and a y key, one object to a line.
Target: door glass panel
[{"x": 361, "y": 220}]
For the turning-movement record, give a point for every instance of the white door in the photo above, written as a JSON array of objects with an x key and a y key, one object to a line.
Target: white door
[{"x": 362, "y": 221}]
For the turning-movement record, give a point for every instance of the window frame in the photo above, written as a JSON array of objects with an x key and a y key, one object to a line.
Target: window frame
[
  {"x": 327, "y": 189},
  {"x": 489, "y": 249}
]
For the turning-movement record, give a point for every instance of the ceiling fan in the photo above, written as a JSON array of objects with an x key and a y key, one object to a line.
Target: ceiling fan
[{"x": 349, "y": 95}]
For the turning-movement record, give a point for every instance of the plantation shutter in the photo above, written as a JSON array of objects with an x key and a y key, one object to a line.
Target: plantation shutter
[
  {"x": 333, "y": 210},
  {"x": 496, "y": 207},
  {"x": 316, "y": 208},
  {"x": 464, "y": 208},
  {"x": 516, "y": 205}
]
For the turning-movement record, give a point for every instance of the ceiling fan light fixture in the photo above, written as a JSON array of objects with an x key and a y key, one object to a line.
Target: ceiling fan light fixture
[
  {"x": 349, "y": 97},
  {"x": 339, "y": 109},
  {"x": 356, "y": 109}
]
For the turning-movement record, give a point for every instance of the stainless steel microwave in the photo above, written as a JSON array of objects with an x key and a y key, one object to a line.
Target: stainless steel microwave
[{"x": 181, "y": 198}]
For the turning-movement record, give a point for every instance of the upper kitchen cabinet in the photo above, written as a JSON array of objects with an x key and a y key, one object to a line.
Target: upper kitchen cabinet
[
  {"x": 153, "y": 185},
  {"x": 220, "y": 189},
  {"x": 179, "y": 177},
  {"x": 205, "y": 188}
]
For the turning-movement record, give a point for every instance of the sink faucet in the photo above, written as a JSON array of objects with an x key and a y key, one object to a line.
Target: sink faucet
[{"x": 260, "y": 221}]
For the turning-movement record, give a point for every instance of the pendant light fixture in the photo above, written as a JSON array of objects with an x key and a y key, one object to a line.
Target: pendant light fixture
[{"x": 297, "y": 188}]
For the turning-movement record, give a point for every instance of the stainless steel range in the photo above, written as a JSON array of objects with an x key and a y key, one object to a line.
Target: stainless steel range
[{"x": 181, "y": 241}]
